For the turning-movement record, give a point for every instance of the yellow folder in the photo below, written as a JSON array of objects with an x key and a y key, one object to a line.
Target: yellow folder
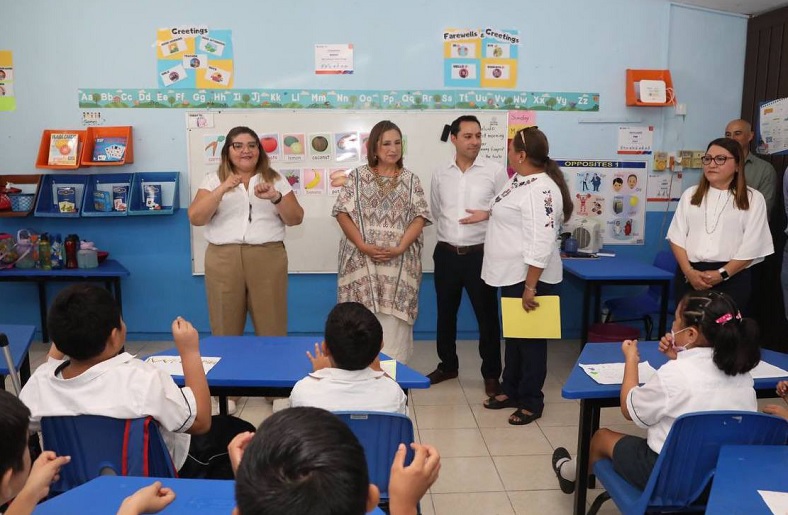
[{"x": 543, "y": 322}]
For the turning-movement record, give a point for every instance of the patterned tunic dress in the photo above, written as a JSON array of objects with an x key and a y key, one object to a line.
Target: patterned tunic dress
[{"x": 382, "y": 208}]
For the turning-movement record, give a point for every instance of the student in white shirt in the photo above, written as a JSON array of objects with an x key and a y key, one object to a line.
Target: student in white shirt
[
  {"x": 521, "y": 257},
  {"x": 460, "y": 195},
  {"x": 720, "y": 227},
  {"x": 711, "y": 350},
  {"x": 346, "y": 369},
  {"x": 244, "y": 208}
]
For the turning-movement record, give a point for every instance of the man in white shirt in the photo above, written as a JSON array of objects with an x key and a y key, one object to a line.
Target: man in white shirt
[{"x": 461, "y": 193}]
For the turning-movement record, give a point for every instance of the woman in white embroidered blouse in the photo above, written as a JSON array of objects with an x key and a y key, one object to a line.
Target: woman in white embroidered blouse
[{"x": 720, "y": 228}]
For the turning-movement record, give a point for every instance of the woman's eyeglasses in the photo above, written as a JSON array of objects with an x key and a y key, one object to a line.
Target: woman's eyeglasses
[
  {"x": 238, "y": 145},
  {"x": 720, "y": 160}
]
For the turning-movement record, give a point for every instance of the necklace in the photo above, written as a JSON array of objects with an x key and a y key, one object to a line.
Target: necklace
[
  {"x": 718, "y": 215},
  {"x": 386, "y": 184}
]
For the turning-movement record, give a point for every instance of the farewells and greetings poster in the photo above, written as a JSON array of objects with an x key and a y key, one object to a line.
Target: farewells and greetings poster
[{"x": 194, "y": 57}]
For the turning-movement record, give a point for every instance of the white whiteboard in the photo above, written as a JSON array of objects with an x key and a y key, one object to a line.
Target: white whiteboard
[{"x": 312, "y": 247}]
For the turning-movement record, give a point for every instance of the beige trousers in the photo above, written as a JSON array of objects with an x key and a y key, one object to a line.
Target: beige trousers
[{"x": 247, "y": 278}]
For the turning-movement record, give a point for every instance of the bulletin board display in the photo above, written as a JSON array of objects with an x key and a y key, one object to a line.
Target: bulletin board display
[
  {"x": 308, "y": 147},
  {"x": 611, "y": 192}
]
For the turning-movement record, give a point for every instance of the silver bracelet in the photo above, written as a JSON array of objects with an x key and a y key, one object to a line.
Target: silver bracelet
[{"x": 530, "y": 289}]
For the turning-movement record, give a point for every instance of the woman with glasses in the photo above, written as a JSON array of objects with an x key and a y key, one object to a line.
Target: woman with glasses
[
  {"x": 720, "y": 227},
  {"x": 382, "y": 210},
  {"x": 521, "y": 257},
  {"x": 244, "y": 207}
]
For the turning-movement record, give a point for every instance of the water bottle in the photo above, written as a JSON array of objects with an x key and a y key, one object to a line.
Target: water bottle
[
  {"x": 44, "y": 252},
  {"x": 70, "y": 245},
  {"x": 57, "y": 252}
]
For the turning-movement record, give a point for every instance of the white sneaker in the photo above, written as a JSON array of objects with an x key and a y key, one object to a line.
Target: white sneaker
[{"x": 231, "y": 407}]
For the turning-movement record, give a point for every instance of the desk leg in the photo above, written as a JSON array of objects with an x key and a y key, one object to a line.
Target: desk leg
[
  {"x": 42, "y": 307},
  {"x": 222, "y": 405},
  {"x": 118, "y": 295},
  {"x": 583, "y": 445},
  {"x": 24, "y": 370},
  {"x": 584, "y": 318},
  {"x": 597, "y": 302},
  {"x": 663, "y": 309}
]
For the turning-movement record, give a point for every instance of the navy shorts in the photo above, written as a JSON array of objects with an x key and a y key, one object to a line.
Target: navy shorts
[{"x": 634, "y": 460}]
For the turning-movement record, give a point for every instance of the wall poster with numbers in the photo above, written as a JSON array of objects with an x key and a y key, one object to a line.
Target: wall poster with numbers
[{"x": 612, "y": 193}]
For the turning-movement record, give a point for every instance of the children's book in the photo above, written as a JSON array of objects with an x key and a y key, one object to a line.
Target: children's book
[{"x": 63, "y": 149}]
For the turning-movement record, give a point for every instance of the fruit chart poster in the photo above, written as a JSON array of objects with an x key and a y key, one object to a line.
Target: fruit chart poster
[
  {"x": 194, "y": 57},
  {"x": 611, "y": 192},
  {"x": 480, "y": 58}
]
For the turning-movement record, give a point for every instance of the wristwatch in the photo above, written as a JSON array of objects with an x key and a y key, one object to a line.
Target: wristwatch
[
  {"x": 724, "y": 274},
  {"x": 275, "y": 202}
]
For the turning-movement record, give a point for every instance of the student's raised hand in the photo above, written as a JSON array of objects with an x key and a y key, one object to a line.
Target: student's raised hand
[
  {"x": 630, "y": 350},
  {"x": 320, "y": 359},
  {"x": 236, "y": 448},
  {"x": 407, "y": 485},
  {"x": 666, "y": 346},
  {"x": 150, "y": 499},
  {"x": 186, "y": 337},
  {"x": 44, "y": 471},
  {"x": 776, "y": 409}
]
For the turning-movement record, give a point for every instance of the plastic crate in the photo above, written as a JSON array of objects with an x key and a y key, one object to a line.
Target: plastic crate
[
  {"x": 47, "y": 197},
  {"x": 105, "y": 182},
  {"x": 22, "y": 201},
  {"x": 139, "y": 201}
]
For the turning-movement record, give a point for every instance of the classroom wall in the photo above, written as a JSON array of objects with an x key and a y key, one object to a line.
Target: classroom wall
[{"x": 568, "y": 45}]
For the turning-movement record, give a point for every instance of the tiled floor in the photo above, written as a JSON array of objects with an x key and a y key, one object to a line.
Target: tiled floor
[{"x": 488, "y": 466}]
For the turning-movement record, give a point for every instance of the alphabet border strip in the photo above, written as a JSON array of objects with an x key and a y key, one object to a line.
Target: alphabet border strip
[{"x": 336, "y": 99}]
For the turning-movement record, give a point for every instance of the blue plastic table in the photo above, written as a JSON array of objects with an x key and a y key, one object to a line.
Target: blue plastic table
[
  {"x": 742, "y": 470},
  {"x": 20, "y": 337},
  {"x": 266, "y": 366},
  {"x": 109, "y": 272},
  {"x": 594, "y": 396},
  {"x": 616, "y": 271},
  {"x": 104, "y": 494}
]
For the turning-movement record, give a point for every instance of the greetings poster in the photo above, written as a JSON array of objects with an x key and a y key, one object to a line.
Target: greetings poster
[
  {"x": 194, "y": 57},
  {"x": 480, "y": 58}
]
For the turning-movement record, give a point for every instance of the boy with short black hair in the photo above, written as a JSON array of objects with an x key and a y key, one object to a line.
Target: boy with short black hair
[
  {"x": 86, "y": 325},
  {"x": 346, "y": 370},
  {"x": 306, "y": 461}
]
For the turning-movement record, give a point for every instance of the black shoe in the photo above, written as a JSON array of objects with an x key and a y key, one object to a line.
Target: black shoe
[
  {"x": 439, "y": 376},
  {"x": 567, "y": 485}
]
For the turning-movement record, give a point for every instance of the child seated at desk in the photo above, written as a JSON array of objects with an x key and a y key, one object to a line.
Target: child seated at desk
[
  {"x": 346, "y": 369},
  {"x": 306, "y": 460},
  {"x": 86, "y": 325},
  {"x": 711, "y": 349}
]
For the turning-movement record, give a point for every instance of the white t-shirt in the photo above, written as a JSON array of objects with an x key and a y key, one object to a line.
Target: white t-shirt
[
  {"x": 717, "y": 231},
  {"x": 690, "y": 383},
  {"x": 335, "y": 389},
  {"x": 120, "y": 387},
  {"x": 453, "y": 191},
  {"x": 523, "y": 230},
  {"x": 242, "y": 217}
]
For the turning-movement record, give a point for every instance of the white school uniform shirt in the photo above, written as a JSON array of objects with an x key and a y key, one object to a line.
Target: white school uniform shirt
[
  {"x": 335, "y": 389},
  {"x": 452, "y": 191},
  {"x": 121, "y": 387},
  {"x": 718, "y": 231},
  {"x": 523, "y": 230},
  {"x": 690, "y": 383},
  {"x": 242, "y": 217}
]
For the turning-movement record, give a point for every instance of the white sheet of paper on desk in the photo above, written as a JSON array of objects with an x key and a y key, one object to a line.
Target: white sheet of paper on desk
[
  {"x": 172, "y": 364},
  {"x": 389, "y": 366},
  {"x": 766, "y": 370},
  {"x": 613, "y": 373},
  {"x": 776, "y": 501}
]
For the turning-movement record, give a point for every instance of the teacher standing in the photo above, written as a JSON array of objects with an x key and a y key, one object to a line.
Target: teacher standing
[
  {"x": 382, "y": 210},
  {"x": 521, "y": 257},
  {"x": 244, "y": 207}
]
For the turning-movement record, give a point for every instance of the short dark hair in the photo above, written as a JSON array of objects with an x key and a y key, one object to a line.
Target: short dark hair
[
  {"x": 302, "y": 460},
  {"x": 353, "y": 336},
  {"x": 733, "y": 338},
  {"x": 81, "y": 320},
  {"x": 455, "y": 125},
  {"x": 618, "y": 180},
  {"x": 14, "y": 423}
]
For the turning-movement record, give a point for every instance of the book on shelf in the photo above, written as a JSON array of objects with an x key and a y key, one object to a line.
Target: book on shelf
[
  {"x": 109, "y": 149},
  {"x": 63, "y": 149}
]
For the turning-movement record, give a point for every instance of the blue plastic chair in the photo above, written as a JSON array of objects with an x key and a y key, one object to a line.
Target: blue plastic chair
[
  {"x": 686, "y": 465},
  {"x": 106, "y": 446},
  {"x": 647, "y": 303},
  {"x": 380, "y": 434}
]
